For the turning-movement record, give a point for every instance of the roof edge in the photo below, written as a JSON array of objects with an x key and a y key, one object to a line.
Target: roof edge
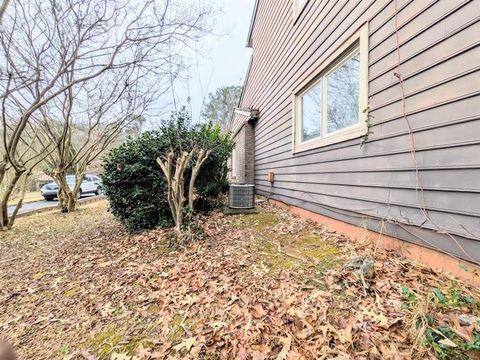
[
  {"x": 252, "y": 22},
  {"x": 245, "y": 81},
  {"x": 240, "y": 100},
  {"x": 251, "y": 117},
  {"x": 251, "y": 113}
]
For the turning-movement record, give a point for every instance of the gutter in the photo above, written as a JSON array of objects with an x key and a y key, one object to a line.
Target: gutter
[
  {"x": 251, "y": 117},
  {"x": 252, "y": 23}
]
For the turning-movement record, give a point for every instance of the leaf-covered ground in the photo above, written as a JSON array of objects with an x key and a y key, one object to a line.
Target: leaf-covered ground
[{"x": 263, "y": 286}]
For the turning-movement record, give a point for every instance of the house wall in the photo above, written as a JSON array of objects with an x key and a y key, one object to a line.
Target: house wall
[
  {"x": 238, "y": 157},
  {"x": 242, "y": 159},
  {"x": 249, "y": 154},
  {"x": 376, "y": 185}
]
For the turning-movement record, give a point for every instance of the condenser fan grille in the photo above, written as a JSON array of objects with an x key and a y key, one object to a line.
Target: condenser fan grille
[{"x": 241, "y": 196}]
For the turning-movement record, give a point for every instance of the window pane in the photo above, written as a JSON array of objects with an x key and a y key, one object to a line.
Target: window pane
[
  {"x": 312, "y": 112},
  {"x": 342, "y": 95}
]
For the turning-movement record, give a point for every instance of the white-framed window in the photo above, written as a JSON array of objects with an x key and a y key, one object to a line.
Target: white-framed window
[{"x": 329, "y": 105}]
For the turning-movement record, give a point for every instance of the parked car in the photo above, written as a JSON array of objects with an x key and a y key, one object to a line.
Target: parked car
[{"x": 91, "y": 184}]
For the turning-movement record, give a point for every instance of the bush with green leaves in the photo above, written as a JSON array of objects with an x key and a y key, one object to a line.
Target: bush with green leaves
[{"x": 136, "y": 186}]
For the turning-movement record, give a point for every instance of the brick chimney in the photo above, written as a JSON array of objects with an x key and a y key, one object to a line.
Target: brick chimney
[{"x": 243, "y": 156}]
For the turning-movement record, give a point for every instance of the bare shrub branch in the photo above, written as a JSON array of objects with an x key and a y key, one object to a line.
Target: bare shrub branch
[{"x": 96, "y": 57}]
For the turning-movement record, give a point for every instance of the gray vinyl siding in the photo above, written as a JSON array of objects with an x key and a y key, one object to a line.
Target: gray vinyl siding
[{"x": 376, "y": 185}]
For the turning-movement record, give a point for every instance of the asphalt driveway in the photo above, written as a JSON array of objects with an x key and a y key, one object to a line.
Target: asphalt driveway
[{"x": 40, "y": 205}]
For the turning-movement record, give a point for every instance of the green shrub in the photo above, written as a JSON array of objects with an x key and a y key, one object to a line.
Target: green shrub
[
  {"x": 212, "y": 179},
  {"x": 136, "y": 186}
]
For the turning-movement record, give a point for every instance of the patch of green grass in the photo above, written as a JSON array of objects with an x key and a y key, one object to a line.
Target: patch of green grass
[
  {"x": 323, "y": 252},
  {"x": 264, "y": 220},
  {"x": 277, "y": 261},
  {"x": 112, "y": 338},
  {"x": 285, "y": 252},
  {"x": 38, "y": 275},
  {"x": 31, "y": 230},
  {"x": 72, "y": 291},
  {"x": 258, "y": 222},
  {"x": 132, "y": 345},
  {"x": 64, "y": 350},
  {"x": 105, "y": 342},
  {"x": 162, "y": 247},
  {"x": 28, "y": 331},
  {"x": 324, "y": 265},
  {"x": 178, "y": 325},
  {"x": 177, "y": 330}
]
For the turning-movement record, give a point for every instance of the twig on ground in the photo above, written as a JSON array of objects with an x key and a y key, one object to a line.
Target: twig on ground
[{"x": 9, "y": 260}]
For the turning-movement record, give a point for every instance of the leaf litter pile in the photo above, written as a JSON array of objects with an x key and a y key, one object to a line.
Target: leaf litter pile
[{"x": 260, "y": 286}]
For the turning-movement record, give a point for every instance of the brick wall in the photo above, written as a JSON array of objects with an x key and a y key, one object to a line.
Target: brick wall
[
  {"x": 249, "y": 153},
  {"x": 242, "y": 160},
  {"x": 238, "y": 157}
]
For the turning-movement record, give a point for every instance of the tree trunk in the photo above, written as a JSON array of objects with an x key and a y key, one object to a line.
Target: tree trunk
[
  {"x": 71, "y": 201},
  {"x": 13, "y": 216},
  {"x": 6, "y": 196},
  {"x": 3, "y": 213},
  {"x": 201, "y": 157},
  {"x": 3, "y": 170},
  {"x": 3, "y": 9},
  {"x": 176, "y": 187},
  {"x": 67, "y": 198}
]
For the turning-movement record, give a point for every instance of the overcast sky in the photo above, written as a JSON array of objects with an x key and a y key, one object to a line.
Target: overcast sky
[{"x": 224, "y": 58}]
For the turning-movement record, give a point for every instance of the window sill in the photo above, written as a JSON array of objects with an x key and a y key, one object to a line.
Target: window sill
[{"x": 340, "y": 136}]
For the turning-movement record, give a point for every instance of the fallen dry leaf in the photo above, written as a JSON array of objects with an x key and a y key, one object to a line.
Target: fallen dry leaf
[
  {"x": 186, "y": 344},
  {"x": 284, "y": 353},
  {"x": 263, "y": 286},
  {"x": 447, "y": 342}
]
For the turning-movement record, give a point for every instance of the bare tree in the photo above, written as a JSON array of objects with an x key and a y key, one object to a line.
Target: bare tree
[
  {"x": 174, "y": 168},
  {"x": 31, "y": 151},
  {"x": 90, "y": 118},
  {"x": 3, "y": 9},
  {"x": 190, "y": 146},
  {"x": 51, "y": 48}
]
